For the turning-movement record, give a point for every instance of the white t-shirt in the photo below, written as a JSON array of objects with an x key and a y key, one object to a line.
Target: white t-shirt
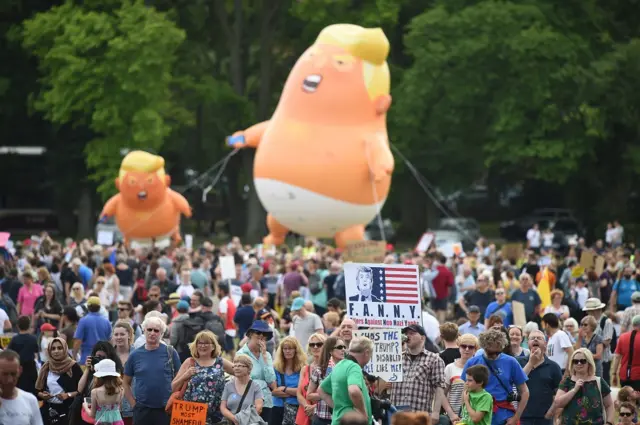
[
  {"x": 22, "y": 410},
  {"x": 582, "y": 295},
  {"x": 431, "y": 327},
  {"x": 533, "y": 236},
  {"x": 452, "y": 379},
  {"x": 3, "y": 318},
  {"x": 609, "y": 235},
  {"x": 555, "y": 348},
  {"x": 547, "y": 239},
  {"x": 185, "y": 290}
]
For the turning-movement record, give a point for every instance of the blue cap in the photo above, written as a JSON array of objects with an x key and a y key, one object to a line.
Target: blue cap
[
  {"x": 182, "y": 305},
  {"x": 298, "y": 304}
]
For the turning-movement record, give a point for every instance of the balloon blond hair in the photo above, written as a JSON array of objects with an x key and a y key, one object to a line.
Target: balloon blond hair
[
  {"x": 368, "y": 44},
  {"x": 143, "y": 162}
]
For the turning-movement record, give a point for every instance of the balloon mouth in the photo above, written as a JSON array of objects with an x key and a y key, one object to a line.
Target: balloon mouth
[
  {"x": 142, "y": 195},
  {"x": 311, "y": 83}
]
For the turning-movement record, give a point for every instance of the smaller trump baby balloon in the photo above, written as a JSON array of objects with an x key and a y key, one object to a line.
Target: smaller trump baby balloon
[
  {"x": 146, "y": 209},
  {"x": 323, "y": 165}
]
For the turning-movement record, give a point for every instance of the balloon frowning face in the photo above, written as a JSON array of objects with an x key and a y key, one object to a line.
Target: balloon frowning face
[
  {"x": 327, "y": 83},
  {"x": 142, "y": 188}
]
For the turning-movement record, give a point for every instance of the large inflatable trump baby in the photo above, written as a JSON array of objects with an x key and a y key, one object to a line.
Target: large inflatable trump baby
[
  {"x": 323, "y": 165},
  {"x": 146, "y": 210}
]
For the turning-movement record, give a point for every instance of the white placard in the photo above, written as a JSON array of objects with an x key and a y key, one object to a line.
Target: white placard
[
  {"x": 227, "y": 267},
  {"x": 386, "y": 360},
  {"x": 425, "y": 242},
  {"x": 105, "y": 237},
  {"x": 188, "y": 241},
  {"x": 383, "y": 295}
]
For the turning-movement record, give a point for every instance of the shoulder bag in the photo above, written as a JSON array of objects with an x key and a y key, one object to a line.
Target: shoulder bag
[{"x": 178, "y": 395}]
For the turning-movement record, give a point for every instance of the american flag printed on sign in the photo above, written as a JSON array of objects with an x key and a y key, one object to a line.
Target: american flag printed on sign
[{"x": 397, "y": 284}]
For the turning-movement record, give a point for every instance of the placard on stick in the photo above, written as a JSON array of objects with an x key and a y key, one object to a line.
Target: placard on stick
[
  {"x": 365, "y": 251},
  {"x": 188, "y": 413},
  {"x": 587, "y": 259},
  {"x": 386, "y": 360},
  {"x": 599, "y": 267},
  {"x": 519, "y": 315}
]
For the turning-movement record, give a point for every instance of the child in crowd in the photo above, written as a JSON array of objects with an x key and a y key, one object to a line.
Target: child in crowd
[
  {"x": 47, "y": 332},
  {"x": 478, "y": 403},
  {"x": 106, "y": 395}
]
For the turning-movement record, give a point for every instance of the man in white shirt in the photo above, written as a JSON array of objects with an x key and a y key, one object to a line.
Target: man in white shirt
[
  {"x": 17, "y": 407},
  {"x": 559, "y": 347},
  {"x": 533, "y": 237},
  {"x": 304, "y": 323}
]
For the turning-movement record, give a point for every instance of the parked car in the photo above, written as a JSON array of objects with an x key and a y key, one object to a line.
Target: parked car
[
  {"x": 469, "y": 227},
  {"x": 558, "y": 219},
  {"x": 372, "y": 231}
]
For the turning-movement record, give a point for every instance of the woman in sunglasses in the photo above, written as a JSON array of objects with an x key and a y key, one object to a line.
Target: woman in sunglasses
[
  {"x": 626, "y": 413},
  {"x": 314, "y": 352},
  {"x": 452, "y": 404},
  {"x": 584, "y": 397},
  {"x": 332, "y": 353}
]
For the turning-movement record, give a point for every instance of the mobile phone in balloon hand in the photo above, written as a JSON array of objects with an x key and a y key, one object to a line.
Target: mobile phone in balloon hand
[{"x": 233, "y": 140}]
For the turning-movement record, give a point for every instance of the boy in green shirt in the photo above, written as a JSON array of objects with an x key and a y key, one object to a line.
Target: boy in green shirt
[{"x": 478, "y": 403}]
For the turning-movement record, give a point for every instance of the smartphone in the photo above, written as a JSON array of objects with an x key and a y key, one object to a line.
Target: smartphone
[
  {"x": 89, "y": 359},
  {"x": 88, "y": 401},
  {"x": 232, "y": 140}
]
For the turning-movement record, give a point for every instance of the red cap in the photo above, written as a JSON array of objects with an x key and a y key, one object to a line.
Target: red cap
[
  {"x": 47, "y": 327},
  {"x": 389, "y": 247},
  {"x": 246, "y": 288}
]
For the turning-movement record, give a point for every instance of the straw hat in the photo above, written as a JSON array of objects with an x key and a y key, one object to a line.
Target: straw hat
[{"x": 593, "y": 304}]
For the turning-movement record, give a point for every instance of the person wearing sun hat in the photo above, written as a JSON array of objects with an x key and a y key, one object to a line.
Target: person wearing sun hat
[
  {"x": 93, "y": 327},
  {"x": 105, "y": 406},
  {"x": 594, "y": 307}
]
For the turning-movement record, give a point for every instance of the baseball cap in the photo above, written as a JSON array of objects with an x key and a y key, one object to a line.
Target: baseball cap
[
  {"x": 263, "y": 314},
  {"x": 474, "y": 309},
  {"x": 298, "y": 304},
  {"x": 635, "y": 296},
  {"x": 246, "y": 287},
  {"x": 93, "y": 301},
  {"x": 415, "y": 328},
  {"x": 46, "y": 327},
  {"x": 182, "y": 305},
  {"x": 636, "y": 320}
]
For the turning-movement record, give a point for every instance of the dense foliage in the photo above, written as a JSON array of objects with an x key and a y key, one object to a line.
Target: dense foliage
[{"x": 484, "y": 90}]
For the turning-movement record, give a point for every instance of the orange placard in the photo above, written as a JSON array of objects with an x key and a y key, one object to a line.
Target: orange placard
[{"x": 188, "y": 413}]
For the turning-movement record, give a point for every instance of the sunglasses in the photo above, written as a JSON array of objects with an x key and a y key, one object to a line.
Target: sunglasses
[
  {"x": 467, "y": 347},
  {"x": 579, "y": 361},
  {"x": 153, "y": 330},
  {"x": 627, "y": 414},
  {"x": 154, "y": 295},
  {"x": 584, "y": 325},
  {"x": 123, "y": 309},
  {"x": 340, "y": 347},
  {"x": 500, "y": 293},
  {"x": 316, "y": 344},
  {"x": 492, "y": 353}
]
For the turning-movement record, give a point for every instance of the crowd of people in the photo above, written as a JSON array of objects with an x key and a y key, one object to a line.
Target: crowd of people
[{"x": 112, "y": 335}]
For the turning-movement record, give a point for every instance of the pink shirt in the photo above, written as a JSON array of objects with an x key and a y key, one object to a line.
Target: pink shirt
[{"x": 27, "y": 299}]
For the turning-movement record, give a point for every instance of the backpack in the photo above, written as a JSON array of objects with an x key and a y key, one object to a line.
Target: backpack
[
  {"x": 614, "y": 336},
  {"x": 339, "y": 290},
  {"x": 315, "y": 285},
  {"x": 216, "y": 325},
  {"x": 190, "y": 328}
]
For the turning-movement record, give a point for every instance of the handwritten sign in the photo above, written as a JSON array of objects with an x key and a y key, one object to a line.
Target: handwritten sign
[
  {"x": 383, "y": 295},
  {"x": 519, "y": 313},
  {"x": 599, "y": 267},
  {"x": 425, "y": 242},
  {"x": 188, "y": 241},
  {"x": 386, "y": 360},
  {"x": 365, "y": 251},
  {"x": 105, "y": 238},
  {"x": 188, "y": 413},
  {"x": 227, "y": 267},
  {"x": 587, "y": 259}
]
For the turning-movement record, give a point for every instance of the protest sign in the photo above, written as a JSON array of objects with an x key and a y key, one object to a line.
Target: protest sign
[
  {"x": 587, "y": 259},
  {"x": 105, "y": 238},
  {"x": 383, "y": 295},
  {"x": 188, "y": 413},
  {"x": 386, "y": 359},
  {"x": 425, "y": 242},
  {"x": 599, "y": 267},
  {"x": 227, "y": 267},
  {"x": 365, "y": 251},
  {"x": 519, "y": 313},
  {"x": 512, "y": 251}
]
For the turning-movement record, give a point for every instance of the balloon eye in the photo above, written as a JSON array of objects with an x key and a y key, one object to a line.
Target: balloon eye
[
  {"x": 132, "y": 181},
  {"x": 150, "y": 180}
]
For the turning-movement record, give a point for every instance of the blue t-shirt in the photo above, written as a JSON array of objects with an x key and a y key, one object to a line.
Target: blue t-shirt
[
  {"x": 290, "y": 381},
  {"x": 510, "y": 373},
  {"x": 153, "y": 374},
  {"x": 244, "y": 317},
  {"x": 91, "y": 329},
  {"x": 625, "y": 288},
  {"x": 503, "y": 311},
  {"x": 85, "y": 275}
]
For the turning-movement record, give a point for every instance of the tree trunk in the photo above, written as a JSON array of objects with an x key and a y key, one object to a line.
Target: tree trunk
[{"x": 86, "y": 220}]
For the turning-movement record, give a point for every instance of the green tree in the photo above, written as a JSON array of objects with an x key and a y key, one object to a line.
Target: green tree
[{"x": 108, "y": 66}]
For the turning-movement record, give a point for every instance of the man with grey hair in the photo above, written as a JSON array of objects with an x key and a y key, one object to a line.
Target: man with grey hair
[
  {"x": 625, "y": 368},
  {"x": 544, "y": 379},
  {"x": 345, "y": 389},
  {"x": 528, "y": 296},
  {"x": 504, "y": 373}
]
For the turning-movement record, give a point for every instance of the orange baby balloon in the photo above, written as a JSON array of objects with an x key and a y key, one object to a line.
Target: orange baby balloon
[
  {"x": 323, "y": 165},
  {"x": 145, "y": 207}
]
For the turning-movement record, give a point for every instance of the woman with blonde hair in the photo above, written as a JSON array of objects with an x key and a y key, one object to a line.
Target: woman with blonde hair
[
  {"x": 452, "y": 404},
  {"x": 583, "y": 396},
  {"x": 122, "y": 341},
  {"x": 307, "y": 407},
  {"x": 287, "y": 365},
  {"x": 556, "y": 307},
  {"x": 201, "y": 377}
]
